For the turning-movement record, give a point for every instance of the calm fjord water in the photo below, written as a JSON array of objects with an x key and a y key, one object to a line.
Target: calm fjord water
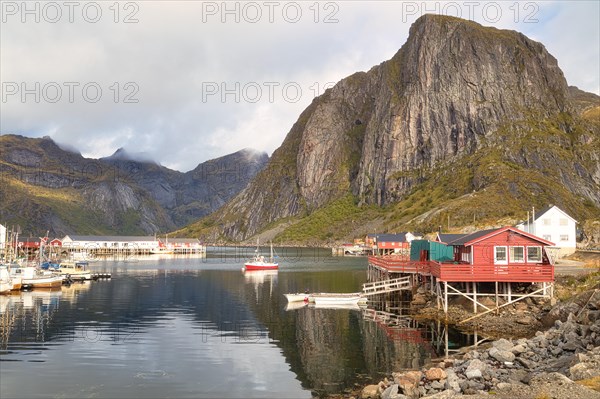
[{"x": 195, "y": 327}]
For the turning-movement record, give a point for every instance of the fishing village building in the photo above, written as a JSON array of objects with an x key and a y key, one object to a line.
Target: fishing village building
[
  {"x": 553, "y": 224},
  {"x": 506, "y": 264},
  {"x": 108, "y": 245}
]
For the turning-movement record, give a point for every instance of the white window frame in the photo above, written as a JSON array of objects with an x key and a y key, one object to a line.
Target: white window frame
[
  {"x": 547, "y": 222},
  {"x": 563, "y": 222},
  {"x": 510, "y": 254},
  {"x": 501, "y": 262},
  {"x": 547, "y": 237},
  {"x": 563, "y": 237},
  {"x": 540, "y": 253}
]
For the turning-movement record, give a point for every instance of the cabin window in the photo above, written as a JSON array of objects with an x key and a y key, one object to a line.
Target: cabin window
[
  {"x": 547, "y": 237},
  {"x": 517, "y": 254},
  {"x": 564, "y": 222},
  {"x": 564, "y": 237},
  {"x": 534, "y": 254},
  {"x": 500, "y": 255}
]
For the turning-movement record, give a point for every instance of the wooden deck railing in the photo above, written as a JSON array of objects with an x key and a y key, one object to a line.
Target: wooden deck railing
[
  {"x": 468, "y": 273},
  {"x": 399, "y": 264},
  {"x": 489, "y": 273}
]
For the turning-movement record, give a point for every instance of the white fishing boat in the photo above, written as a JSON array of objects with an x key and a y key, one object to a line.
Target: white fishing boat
[
  {"x": 259, "y": 262},
  {"x": 295, "y": 305},
  {"x": 7, "y": 281},
  {"x": 297, "y": 297},
  {"x": 73, "y": 270},
  {"x": 32, "y": 277},
  {"x": 337, "y": 299}
]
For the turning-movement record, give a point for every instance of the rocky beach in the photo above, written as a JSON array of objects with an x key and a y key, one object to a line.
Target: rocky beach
[{"x": 547, "y": 351}]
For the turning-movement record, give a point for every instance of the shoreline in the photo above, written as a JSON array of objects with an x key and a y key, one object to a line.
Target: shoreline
[{"x": 539, "y": 351}]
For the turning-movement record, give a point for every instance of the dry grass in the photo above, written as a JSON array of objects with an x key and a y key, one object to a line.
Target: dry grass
[{"x": 592, "y": 383}]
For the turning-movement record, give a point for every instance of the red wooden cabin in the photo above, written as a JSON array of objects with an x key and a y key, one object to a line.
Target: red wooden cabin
[{"x": 505, "y": 254}]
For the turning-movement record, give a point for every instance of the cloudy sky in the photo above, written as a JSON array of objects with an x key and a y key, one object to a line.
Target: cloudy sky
[{"x": 187, "y": 81}]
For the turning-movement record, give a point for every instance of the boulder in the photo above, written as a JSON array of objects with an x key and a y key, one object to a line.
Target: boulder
[
  {"x": 501, "y": 355},
  {"x": 503, "y": 344},
  {"x": 435, "y": 373},
  {"x": 474, "y": 373},
  {"x": 452, "y": 380},
  {"x": 370, "y": 392}
]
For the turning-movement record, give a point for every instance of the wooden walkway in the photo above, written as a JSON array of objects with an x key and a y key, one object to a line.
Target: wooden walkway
[{"x": 384, "y": 286}]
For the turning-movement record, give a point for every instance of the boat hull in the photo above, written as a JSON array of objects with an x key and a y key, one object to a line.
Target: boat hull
[
  {"x": 338, "y": 299},
  {"x": 261, "y": 266},
  {"x": 299, "y": 297},
  {"x": 44, "y": 282}
]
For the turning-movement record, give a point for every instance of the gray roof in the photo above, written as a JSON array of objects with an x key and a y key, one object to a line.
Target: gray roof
[
  {"x": 112, "y": 238},
  {"x": 469, "y": 237},
  {"x": 182, "y": 240},
  {"x": 448, "y": 238},
  {"x": 391, "y": 237}
]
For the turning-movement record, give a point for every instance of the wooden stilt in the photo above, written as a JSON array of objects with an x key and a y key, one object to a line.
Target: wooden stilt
[
  {"x": 446, "y": 297},
  {"x": 474, "y": 297},
  {"x": 496, "y": 292},
  {"x": 509, "y": 292}
]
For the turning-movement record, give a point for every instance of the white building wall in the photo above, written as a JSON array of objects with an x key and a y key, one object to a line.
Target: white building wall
[{"x": 557, "y": 227}]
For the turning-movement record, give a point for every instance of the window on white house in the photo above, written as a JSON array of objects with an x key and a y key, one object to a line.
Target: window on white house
[
  {"x": 517, "y": 254},
  {"x": 547, "y": 237},
  {"x": 500, "y": 255},
  {"x": 534, "y": 254},
  {"x": 564, "y": 222},
  {"x": 564, "y": 237},
  {"x": 547, "y": 222}
]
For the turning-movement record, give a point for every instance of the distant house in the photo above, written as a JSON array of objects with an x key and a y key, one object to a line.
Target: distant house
[
  {"x": 110, "y": 242},
  {"x": 181, "y": 243},
  {"x": 387, "y": 244},
  {"x": 553, "y": 224},
  {"x": 55, "y": 243},
  {"x": 26, "y": 243}
]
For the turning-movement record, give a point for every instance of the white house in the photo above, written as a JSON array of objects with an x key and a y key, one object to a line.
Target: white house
[{"x": 554, "y": 225}]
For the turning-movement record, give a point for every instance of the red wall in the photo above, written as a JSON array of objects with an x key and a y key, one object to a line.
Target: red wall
[{"x": 483, "y": 251}]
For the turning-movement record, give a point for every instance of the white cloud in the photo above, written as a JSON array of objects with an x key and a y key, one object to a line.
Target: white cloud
[{"x": 175, "y": 52}]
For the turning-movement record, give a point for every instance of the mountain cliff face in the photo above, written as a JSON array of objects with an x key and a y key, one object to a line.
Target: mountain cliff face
[
  {"x": 43, "y": 187},
  {"x": 456, "y": 98}
]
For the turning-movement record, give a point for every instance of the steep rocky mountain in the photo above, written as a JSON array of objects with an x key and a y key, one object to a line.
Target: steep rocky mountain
[
  {"x": 466, "y": 123},
  {"x": 43, "y": 187},
  {"x": 191, "y": 195}
]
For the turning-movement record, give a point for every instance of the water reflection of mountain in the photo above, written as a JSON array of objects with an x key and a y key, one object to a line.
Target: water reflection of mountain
[{"x": 325, "y": 348}]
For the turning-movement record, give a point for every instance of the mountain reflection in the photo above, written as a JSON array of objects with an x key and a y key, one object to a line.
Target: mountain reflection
[{"x": 208, "y": 311}]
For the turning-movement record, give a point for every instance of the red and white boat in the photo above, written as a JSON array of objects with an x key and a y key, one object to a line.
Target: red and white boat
[{"x": 260, "y": 262}]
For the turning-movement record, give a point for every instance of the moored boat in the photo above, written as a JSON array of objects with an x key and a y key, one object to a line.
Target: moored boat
[
  {"x": 297, "y": 297},
  {"x": 73, "y": 271},
  {"x": 259, "y": 262},
  {"x": 337, "y": 299},
  {"x": 30, "y": 276}
]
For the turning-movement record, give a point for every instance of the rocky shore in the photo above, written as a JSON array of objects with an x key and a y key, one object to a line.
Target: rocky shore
[{"x": 561, "y": 362}]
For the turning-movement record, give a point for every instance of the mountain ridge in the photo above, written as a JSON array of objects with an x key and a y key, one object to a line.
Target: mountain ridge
[
  {"x": 457, "y": 96},
  {"x": 46, "y": 187}
]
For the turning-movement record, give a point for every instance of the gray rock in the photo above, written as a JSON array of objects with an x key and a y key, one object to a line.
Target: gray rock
[
  {"x": 518, "y": 349},
  {"x": 437, "y": 385},
  {"x": 503, "y": 344},
  {"x": 448, "y": 393},
  {"x": 501, "y": 355},
  {"x": 474, "y": 373},
  {"x": 391, "y": 392},
  {"x": 452, "y": 380}
]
